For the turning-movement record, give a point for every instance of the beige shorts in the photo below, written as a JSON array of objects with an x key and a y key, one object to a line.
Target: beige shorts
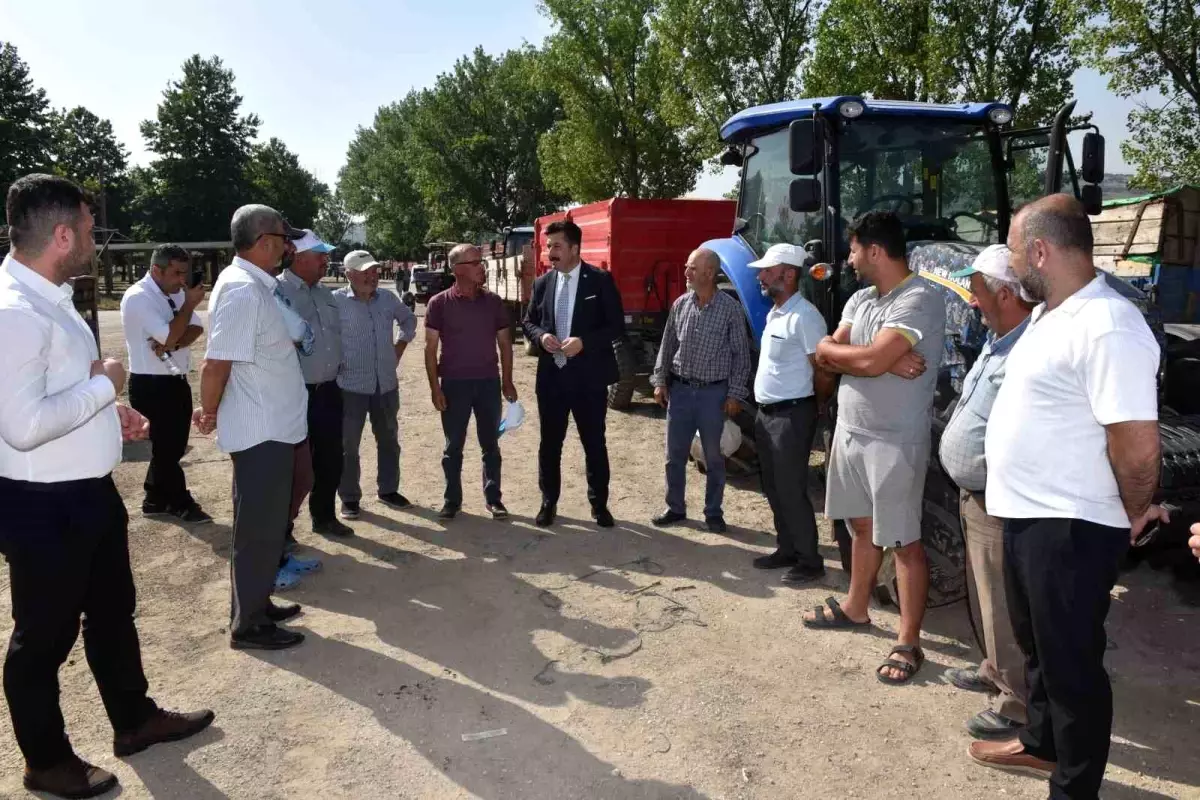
[{"x": 884, "y": 481}]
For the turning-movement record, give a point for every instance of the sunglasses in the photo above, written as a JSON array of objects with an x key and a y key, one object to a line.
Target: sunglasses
[{"x": 282, "y": 236}]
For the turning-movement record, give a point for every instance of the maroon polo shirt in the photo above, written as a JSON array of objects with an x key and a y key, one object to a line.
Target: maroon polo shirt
[{"x": 467, "y": 328}]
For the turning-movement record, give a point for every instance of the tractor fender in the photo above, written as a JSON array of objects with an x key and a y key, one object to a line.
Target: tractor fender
[{"x": 735, "y": 255}]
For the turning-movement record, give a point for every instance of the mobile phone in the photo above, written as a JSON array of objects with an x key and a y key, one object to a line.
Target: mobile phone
[
  {"x": 196, "y": 279},
  {"x": 1150, "y": 531}
]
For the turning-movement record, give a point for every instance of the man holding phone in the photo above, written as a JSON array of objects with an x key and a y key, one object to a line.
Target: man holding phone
[{"x": 158, "y": 315}]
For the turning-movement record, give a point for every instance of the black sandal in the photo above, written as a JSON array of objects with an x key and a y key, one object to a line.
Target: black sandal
[
  {"x": 895, "y": 663},
  {"x": 838, "y": 620}
]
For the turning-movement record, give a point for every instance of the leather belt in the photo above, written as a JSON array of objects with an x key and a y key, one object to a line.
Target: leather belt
[
  {"x": 693, "y": 384},
  {"x": 784, "y": 405}
]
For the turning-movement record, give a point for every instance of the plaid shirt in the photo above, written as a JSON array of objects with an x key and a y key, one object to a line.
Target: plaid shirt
[
  {"x": 961, "y": 448},
  {"x": 706, "y": 344}
]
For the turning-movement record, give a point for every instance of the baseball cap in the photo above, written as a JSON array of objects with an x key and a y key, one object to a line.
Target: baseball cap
[
  {"x": 291, "y": 233},
  {"x": 777, "y": 254},
  {"x": 358, "y": 261},
  {"x": 310, "y": 241}
]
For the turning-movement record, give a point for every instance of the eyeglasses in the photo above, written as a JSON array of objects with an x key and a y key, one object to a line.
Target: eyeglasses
[
  {"x": 282, "y": 236},
  {"x": 460, "y": 263}
]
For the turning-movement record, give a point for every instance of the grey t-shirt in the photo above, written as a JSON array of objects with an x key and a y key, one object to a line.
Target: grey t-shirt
[{"x": 890, "y": 407}]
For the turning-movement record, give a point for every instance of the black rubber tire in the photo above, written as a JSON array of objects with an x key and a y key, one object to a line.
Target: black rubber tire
[
  {"x": 620, "y": 394},
  {"x": 1183, "y": 385}
]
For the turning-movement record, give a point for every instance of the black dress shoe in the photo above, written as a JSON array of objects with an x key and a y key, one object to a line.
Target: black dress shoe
[
  {"x": 73, "y": 778},
  {"x": 265, "y": 637},
  {"x": 603, "y": 517},
  {"x": 335, "y": 528},
  {"x": 163, "y": 726},
  {"x": 800, "y": 575},
  {"x": 545, "y": 515},
  {"x": 395, "y": 500},
  {"x": 716, "y": 525},
  {"x": 776, "y": 560},
  {"x": 448, "y": 512},
  {"x": 668, "y": 517},
  {"x": 279, "y": 612},
  {"x": 498, "y": 511}
]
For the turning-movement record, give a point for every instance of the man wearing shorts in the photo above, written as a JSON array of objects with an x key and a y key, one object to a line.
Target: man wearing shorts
[{"x": 876, "y": 471}]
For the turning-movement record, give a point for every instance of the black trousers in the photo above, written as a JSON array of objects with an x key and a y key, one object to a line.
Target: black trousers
[
  {"x": 165, "y": 400},
  {"x": 325, "y": 441},
  {"x": 67, "y": 548},
  {"x": 784, "y": 440},
  {"x": 262, "y": 495},
  {"x": 464, "y": 397},
  {"x": 1058, "y": 574},
  {"x": 557, "y": 402}
]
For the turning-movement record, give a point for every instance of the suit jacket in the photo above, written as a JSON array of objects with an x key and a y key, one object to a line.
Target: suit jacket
[{"x": 598, "y": 320}]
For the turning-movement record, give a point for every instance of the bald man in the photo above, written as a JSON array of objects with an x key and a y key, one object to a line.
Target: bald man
[
  {"x": 1083, "y": 377},
  {"x": 700, "y": 378},
  {"x": 470, "y": 326}
]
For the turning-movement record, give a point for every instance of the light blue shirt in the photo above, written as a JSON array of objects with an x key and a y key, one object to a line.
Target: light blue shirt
[
  {"x": 368, "y": 344},
  {"x": 961, "y": 448}
]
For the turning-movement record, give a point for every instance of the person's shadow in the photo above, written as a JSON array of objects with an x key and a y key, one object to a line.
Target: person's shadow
[
  {"x": 531, "y": 759},
  {"x": 165, "y": 773}
]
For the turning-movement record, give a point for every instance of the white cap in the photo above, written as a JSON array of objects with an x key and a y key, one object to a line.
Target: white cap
[
  {"x": 358, "y": 261},
  {"x": 777, "y": 254},
  {"x": 994, "y": 263},
  {"x": 310, "y": 241}
]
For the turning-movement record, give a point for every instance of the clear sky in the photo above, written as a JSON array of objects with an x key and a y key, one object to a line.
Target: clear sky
[{"x": 313, "y": 71}]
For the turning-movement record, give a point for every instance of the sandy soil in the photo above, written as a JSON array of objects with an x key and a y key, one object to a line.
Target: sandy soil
[{"x": 632, "y": 663}]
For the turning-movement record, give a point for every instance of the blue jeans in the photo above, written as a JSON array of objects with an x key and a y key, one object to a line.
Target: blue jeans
[{"x": 688, "y": 410}]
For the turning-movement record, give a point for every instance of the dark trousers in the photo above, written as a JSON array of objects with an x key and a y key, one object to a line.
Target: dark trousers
[
  {"x": 67, "y": 548},
  {"x": 325, "y": 442},
  {"x": 482, "y": 397},
  {"x": 165, "y": 400},
  {"x": 784, "y": 441},
  {"x": 694, "y": 409},
  {"x": 382, "y": 408},
  {"x": 557, "y": 402},
  {"x": 262, "y": 494},
  {"x": 1058, "y": 574}
]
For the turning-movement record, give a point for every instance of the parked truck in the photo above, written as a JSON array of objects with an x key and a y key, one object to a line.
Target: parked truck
[
  {"x": 955, "y": 173},
  {"x": 644, "y": 244},
  {"x": 509, "y": 264}
]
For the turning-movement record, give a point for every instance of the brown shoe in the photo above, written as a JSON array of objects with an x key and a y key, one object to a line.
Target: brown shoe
[
  {"x": 73, "y": 778},
  {"x": 163, "y": 726},
  {"x": 1010, "y": 755}
]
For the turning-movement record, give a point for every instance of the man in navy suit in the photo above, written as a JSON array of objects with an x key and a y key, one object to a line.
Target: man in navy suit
[{"x": 575, "y": 315}]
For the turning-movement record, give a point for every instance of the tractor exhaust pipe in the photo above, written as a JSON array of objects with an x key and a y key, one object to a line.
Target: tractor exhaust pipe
[{"x": 1058, "y": 146}]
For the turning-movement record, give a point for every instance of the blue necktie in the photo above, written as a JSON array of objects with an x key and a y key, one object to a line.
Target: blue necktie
[{"x": 561, "y": 309}]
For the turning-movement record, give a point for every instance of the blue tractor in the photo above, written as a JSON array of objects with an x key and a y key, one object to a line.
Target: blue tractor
[{"x": 955, "y": 173}]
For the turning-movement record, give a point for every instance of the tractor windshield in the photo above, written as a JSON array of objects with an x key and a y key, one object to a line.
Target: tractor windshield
[{"x": 938, "y": 175}]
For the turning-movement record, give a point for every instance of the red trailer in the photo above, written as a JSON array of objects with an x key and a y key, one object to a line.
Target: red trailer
[{"x": 644, "y": 244}]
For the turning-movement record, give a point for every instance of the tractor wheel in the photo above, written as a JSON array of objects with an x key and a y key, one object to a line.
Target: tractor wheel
[{"x": 620, "y": 394}]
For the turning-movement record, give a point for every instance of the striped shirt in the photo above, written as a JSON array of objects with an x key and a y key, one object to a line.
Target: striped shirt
[
  {"x": 368, "y": 343},
  {"x": 265, "y": 399},
  {"x": 706, "y": 344},
  {"x": 315, "y": 304}
]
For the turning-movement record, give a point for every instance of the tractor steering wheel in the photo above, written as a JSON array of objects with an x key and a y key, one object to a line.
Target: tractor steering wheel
[{"x": 900, "y": 200}]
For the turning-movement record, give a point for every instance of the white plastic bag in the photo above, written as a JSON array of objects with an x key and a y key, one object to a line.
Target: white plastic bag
[
  {"x": 514, "y": 415},
  {"x": 731, "y": 440}
]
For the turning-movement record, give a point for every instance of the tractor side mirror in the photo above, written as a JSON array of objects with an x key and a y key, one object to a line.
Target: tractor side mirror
[
  {"x": 804, "y": 195},
  {"x": 806, "y": 147},
  {"x": 732, "y": 157},
  {"x": 1092, "y": 197},
  {"x": 1092, "y": 167},
  {"x": 815, "y": 249}
]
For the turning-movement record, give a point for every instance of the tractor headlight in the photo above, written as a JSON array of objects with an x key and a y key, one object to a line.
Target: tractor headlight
[
  {"x": 1001, "y": 115},
  {"x": 851, "y": 109}
]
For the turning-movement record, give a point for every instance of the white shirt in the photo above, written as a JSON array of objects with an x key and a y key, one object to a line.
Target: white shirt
[
  {"x": 57, "y": 422},
  {"x": 265, "y": 399},
  {"x": 790, "y": 336},
  {"x": 1090, "y": 362},
  {"x": 146, "y": 315},
  {"x": 571, "y": 287}
]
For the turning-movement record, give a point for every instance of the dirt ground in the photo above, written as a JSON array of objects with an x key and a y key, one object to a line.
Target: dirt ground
[{"x": 629, "y": 663}]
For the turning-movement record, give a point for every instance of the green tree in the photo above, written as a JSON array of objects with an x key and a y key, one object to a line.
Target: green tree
[
  {"x": 25, "y": 134},
  {"x": 474, "y": 145},
  {"x": 617, "y": 138},
  {"x": 334, "y": 220},
  {"x": 733, "y": 54},
  {"x": 1014, "y": 51},
  {"x": 203, "y": 147},
  {"x": 277, "y": 180},
  {"x": 377, "y": 182},
  {"x": 85, "y": 148},
  {"x": 1142, "y": 46}
]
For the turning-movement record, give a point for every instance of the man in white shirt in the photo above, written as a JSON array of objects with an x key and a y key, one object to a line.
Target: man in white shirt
[
  {"x": 64, "y": 531},
  {"x": 252, "y": 393},
  {"x": 1073, "y": 458},
  {"x": 787, "y": 388},
  {"x": 158, "y": 317}
]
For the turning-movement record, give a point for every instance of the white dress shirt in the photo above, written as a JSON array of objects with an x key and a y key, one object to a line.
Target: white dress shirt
[
  {"x": 789, "y": 337},
  {"x": 1090, "y": 362},
  {"x": 57, "y": 422},
  {"x": 146, "y": 315},
  {"x": 571, "y": 287},
  {"x": 265, "y": 399}
]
